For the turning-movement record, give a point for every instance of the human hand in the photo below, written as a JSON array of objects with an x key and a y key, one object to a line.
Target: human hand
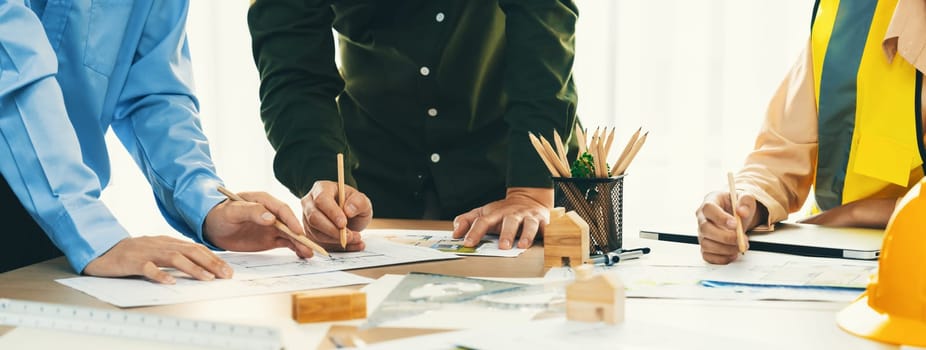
[
  {"x": 872, "y": 212},
  {"x": 523, "y": 210},
  {"x": 323, "y": 217},
  {"x": 248, "y": 225},
  {"x": 717, "y": 227},
  {"x": 144, "y": 256}
]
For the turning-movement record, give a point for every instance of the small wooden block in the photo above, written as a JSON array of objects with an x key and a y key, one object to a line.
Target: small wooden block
[
  {"x": 565, "y": 238},
  {"x": 595, "y": 298},
  {"x": 329, "y": 305}
]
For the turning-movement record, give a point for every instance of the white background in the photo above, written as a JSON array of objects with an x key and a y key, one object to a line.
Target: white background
[{"x": 698, "y": 74}]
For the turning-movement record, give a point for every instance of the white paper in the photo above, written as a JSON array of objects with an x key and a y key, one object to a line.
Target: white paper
[
  {"x": 777, "y": 278},
  {"x": 283, "y": 262},
  {"x": 444, "y": 241},
  {"x": 131, "y": 292}
]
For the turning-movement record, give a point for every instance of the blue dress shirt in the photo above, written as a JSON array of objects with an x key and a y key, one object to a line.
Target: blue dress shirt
[{"x": 70, "y": 70}]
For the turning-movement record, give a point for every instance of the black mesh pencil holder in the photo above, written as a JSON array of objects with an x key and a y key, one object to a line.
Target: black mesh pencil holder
[{"x": 600, "y": 202}]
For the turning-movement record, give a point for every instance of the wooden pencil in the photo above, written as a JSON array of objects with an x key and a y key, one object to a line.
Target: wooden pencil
[
  {"x": 542, "y": 154},
  {"x": 580, "y": 138},
  {"x": 740, "y": 235},
  {"x": 622, "y": 166},
  {"x": 560, "y": 148},
  {"x": 607, "y": 144},
  {"x": 280, "y": 226},
  {"x": 341, "y": 197},
  {"x": 626, "y": 151},
  {"x": 551, "y": 154}
]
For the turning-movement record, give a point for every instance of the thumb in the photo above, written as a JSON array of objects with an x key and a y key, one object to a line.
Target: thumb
[{"x": 746, "y": 208}]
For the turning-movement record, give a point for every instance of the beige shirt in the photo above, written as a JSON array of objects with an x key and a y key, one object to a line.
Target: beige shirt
[{"x": 781, "y": 169}]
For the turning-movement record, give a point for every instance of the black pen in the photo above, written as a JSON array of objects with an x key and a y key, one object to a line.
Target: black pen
[{"x": 612, "y": 258}]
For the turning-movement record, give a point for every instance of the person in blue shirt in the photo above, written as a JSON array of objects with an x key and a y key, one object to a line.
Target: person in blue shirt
[{"x": 69, "y": 71}]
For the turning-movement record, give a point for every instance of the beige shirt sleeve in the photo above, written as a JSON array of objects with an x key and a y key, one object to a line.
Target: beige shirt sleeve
[{"x": 781, "y": 168}]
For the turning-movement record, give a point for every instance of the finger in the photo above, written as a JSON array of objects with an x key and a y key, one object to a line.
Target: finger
[
  {"x": 183, "y": 263},
  {"x": 719, "y": 248},
  {"x": 480, "y": 226},
  {"x": 152, "y": 272},
  {"x": 240, "y": 212},
  {"x": 326, "y": 203},
  {"x": 322, "y": 228},
  {"x": 206, "y": 259},
  {"x": 529, "y": 227},
  {"x": 463, "y": 222},
  {"x": 718, "y": 216},
  {"x": 506, "y": 236},
  {"x": 746, "y": 207},
  {"x": 719, "y": 259},
  {"x": 717, "y": 234},
  {"x": 355, "y": 247},
  {"x": 358, "y": 209},
  {"x": 301, "y": 250},
  {"x": 277, "y": 208}
]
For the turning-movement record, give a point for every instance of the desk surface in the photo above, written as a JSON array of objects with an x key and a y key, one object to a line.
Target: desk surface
[{"x": 814, "y": 322}]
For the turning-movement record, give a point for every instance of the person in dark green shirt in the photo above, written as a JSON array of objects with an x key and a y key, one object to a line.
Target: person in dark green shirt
[{"x": 431, "y": 106}]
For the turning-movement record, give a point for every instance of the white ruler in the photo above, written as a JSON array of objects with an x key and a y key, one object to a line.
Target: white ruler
[{"x": 135, "y": 325}]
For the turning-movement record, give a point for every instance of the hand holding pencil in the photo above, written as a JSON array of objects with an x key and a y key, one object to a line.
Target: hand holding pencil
[
  {"x": 334, "y": 213},
  {"x": 723, "y": 219},
  {"x": 255, "y": 221}
]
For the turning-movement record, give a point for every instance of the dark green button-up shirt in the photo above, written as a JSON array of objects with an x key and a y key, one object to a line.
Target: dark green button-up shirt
[{"x": 430, "y": 94}]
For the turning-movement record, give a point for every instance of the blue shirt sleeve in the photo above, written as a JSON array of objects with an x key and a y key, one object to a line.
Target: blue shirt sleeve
[
  {"x": 156, "y": 119},
  {"x": 40, "y": 155}
]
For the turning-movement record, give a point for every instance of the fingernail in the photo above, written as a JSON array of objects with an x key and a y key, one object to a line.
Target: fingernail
[
  {"x": 455, "y": 224},
  {"x": 350, "y": 209},
  {"x": 523, "y": 243},
  {"x": 267, "y": 216},
  {"x": 731, "y": 223},
  {"x": 208, "y": 276},
  {"x": 504, "y": 244},
  {"x": 226, "y": 272},
  {"x": 170, "y": 280},
  {"x": 467, "y": 241}
]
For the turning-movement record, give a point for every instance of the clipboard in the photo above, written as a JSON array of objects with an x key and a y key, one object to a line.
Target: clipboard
[{"x": 797, "y": 239}]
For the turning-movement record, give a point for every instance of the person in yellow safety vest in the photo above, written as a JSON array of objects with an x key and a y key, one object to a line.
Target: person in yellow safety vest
[{"x": 847, "y": 122}]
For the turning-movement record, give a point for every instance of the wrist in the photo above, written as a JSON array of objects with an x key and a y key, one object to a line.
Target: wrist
[
  {"x": 541, "y": 195},
  {"x": 760, "y": 217}
]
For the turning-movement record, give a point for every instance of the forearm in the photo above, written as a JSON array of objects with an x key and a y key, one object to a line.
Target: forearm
[
  {"x": 780, "y": 171},
  {"x": 540, "y": 51},
  {"x": 157, "y": 119},
  {"x": 40, "y": 155},
  {"x": 294, "y": 52}
]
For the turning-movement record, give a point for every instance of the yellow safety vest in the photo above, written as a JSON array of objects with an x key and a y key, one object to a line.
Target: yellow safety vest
[{"x": 869, "y": 121}]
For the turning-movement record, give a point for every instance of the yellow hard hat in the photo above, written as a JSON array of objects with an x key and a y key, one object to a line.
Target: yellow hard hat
[{"x": 893, "y": 308}]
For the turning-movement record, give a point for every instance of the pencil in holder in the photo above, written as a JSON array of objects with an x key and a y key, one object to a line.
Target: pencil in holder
[{"x": 599, "y": 201}]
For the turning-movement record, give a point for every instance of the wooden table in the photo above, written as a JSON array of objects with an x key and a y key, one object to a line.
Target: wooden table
[{"x": 812, "y": 324}]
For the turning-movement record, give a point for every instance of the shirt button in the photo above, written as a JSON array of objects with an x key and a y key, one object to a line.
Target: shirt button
[
  {"x": 439, "y": 17},
  {"x": 432, "y": 112},
  {"x": 425, "y": 71},
  {"x": 435, "y": 157}
]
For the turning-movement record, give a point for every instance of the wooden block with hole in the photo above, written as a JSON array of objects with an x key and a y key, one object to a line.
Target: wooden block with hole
[
  {"x": 595, "y": 297},
  {"x": 565, "y": 239},
  {"x": 329, "y": 305}
]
